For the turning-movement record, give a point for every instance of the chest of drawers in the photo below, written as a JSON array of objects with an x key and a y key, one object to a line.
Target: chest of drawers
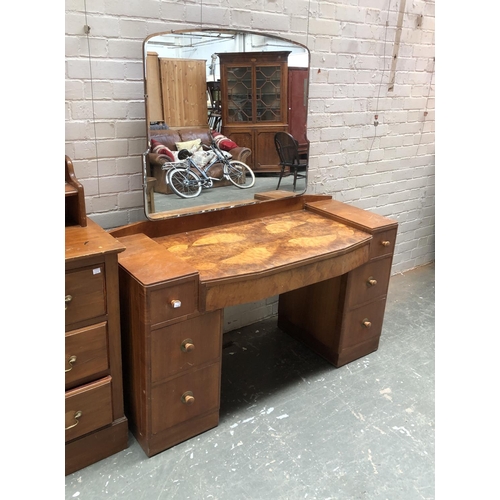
[{"x": 95, "y": 423}]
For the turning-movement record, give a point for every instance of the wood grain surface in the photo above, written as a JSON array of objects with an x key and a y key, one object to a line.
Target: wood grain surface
[{"x": 259, "y": 245}]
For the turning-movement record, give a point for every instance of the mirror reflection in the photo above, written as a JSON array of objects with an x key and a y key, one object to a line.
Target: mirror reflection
[{"x": 220, "y": 105}]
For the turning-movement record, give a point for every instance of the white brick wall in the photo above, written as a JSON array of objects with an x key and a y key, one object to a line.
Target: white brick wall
[{"x": 388, "y": 169}]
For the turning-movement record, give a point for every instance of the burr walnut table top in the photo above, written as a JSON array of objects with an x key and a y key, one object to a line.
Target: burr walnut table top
[{"x": 263, "y": 244}]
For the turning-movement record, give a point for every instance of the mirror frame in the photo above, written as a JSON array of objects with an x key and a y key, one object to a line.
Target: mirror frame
[{"x": 219, "y": 206}]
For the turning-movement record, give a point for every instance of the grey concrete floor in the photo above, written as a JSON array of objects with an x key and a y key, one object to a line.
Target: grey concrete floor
[{"x": 294, "y": 427}]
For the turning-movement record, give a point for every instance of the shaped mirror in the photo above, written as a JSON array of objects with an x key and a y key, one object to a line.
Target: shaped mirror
[{"x": 215, "y": 101}]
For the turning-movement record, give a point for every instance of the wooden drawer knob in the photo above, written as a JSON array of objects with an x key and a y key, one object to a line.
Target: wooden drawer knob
[
  {"x": 71, "y": 361},
  {"x": 176, "y": 303},
  {"x": 366, "y": 323},
  {"x": 67, "y": 300},
  {"x": 76, "y": 416},
  {"x": 386, "y": 243},
  {"x": 371, "y": 281},
  {"x": 187, "y": 345},
  {"x": 187, "y": 398}
]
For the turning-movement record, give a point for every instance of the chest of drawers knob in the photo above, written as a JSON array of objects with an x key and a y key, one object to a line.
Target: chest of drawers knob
[
  {"x": 187, "y": 398},
  {"x": 371, "y": 281},
  {"x": 385, "y": 243},
  {"x": 366, "y": 323},
  {"x": 71, "y": 361},
  {"x": 77, "y": 415},
  {"x": 67, "y": 300},
  {"x": 176, "y": 303},
  {"x": 187, "y": 345}
]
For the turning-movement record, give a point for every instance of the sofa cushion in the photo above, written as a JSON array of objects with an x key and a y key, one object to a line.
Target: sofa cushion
[
  {"x": 161, "y": 149},
  {"x": 167, "y": 138},
  {"x": 190, "y": 134},
  {"x": 192, "y": 146},
  {"x": 223, "y": 142}
]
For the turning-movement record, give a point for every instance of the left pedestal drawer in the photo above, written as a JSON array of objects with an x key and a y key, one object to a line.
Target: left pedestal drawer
[{"x": 88, "y": 408}]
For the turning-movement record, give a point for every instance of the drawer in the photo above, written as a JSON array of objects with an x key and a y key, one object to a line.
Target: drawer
[
  {"x": 185, "y": 345},
  {"x": 86, "y": 353},
  {"x": 362, "y": 323},
  {"x": 85, "y": 294},
  {"x": 383, "y": 243},
  {"x": 368, "y": 282},
  {"x": 176, "y": 300},
  {"x": 171, "y": 402},
  {"x": 88, "y": 408}
]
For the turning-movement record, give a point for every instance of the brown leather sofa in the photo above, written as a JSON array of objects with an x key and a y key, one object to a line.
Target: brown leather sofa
[{"x": 169, "y": 137}]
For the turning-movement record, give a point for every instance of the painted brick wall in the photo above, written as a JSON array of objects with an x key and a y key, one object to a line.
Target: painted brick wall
[{"x": 371, "y": 108}]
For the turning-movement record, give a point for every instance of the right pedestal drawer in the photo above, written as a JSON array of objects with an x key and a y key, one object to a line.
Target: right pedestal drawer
[{"x": 368, "y": 282}]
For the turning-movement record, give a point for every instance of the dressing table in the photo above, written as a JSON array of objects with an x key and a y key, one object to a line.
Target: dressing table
[{"x": 329, "y": 263}]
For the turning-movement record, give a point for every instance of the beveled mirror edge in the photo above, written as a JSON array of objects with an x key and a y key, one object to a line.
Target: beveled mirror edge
[{"x": 261, "y": 197}]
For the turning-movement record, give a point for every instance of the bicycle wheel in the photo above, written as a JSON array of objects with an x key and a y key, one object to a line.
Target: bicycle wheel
[
  {"x": 240, "y": 174},
  {"x": 184, "y": 182}
]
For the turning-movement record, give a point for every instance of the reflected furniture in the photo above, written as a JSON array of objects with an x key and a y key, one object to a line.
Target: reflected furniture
[
  {"x": 95, "y": 422},
  {"x": 329, "y": 262},
  {"x": 254, "y": 103},
  {"x": 298, "y": 85},
  {"x": 172, "y": 136},
  {"x": 176, "y": 90},
  {"x": 288, "y": 152}
]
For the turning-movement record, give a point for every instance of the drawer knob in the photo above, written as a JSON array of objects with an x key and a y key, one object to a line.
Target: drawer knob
[
  {"x": 176, "y": 303},
  {"x": 187, "y": 398},
  {"x": 67, "y": 300},
  {"x": 71, "y": 360},
  {"x": 187, "y": 345},
  {"x": 385, "y": 243},
  {"x": 366, "y": 323},
  {"x": 76, "y": 416},
  {"x": 371, "y": 281}
]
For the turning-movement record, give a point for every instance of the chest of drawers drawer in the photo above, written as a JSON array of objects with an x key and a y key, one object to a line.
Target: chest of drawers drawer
[
  {"x": 86, "y": 354},
  {"x": 185, "y": 345},
  {"x": 88, "y": 407},
  {"x": 363, "y": 323},
  {"x": 383, "y": 243},
  {"x": 185, "y": 397},
  {"x": 85, "y": 294},
  {"x": 173, "y": 301},
  {"x": 368, "y": 282}
]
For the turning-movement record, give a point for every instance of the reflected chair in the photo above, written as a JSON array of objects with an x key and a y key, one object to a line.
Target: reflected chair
[{"x": 288, "y": 152}]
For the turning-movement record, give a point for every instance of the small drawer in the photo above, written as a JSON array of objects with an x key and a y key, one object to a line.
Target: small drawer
[
  {"x": 86, "y": 354},
  {"x": 88, "y": 408},
  {"x": 362, "y": 323},
  {"x": 176, "y": 300},
  {"x": 185, "y": 345},
  {"x": 85, "y": 294},
  {"x": 185, "y": 397},
  {"x": 368, "y": 282},
  {"x": 383, "y": 243}
]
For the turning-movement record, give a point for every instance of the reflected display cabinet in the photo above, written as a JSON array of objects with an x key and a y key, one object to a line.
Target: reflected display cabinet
[{"x": 254, "y": 88}]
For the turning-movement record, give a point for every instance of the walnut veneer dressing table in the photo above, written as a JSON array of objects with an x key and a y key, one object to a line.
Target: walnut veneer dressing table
[{"x": 329, "y": 263}]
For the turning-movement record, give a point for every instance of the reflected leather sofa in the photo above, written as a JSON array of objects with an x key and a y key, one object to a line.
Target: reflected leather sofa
[{"x": 169, "y": 138}]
